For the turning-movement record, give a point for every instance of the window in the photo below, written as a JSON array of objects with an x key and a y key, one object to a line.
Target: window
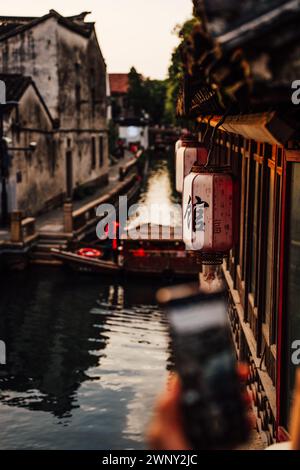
[
  {"x": 93, "y": 91},
  {"x": 255, "y": 231},
  {"x": 77, "y": 86},
  {"x": 269, "y": 252},
  {"x": 243, "y": 227},
  {"x": 53, "y": 157},
  {"x": 277, "y": 242},
  {"x": 19, "y": 177},
  {"x": 93, "y": 153},
  {"x": 293, "y": 276},
  {"x": 101, "y": 151}
]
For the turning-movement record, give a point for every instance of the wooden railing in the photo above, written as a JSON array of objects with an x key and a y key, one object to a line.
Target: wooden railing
[
  {"x": 22, "y": 229},
  {"x": 81, "y": 220},
  {"x": 128, "y": 167}
]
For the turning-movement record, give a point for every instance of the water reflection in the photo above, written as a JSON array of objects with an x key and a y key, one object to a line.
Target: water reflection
[
  {"x": 85, "y": 361},
  {"x": 86, "y": 357},
  {"x": 158, "y": 197}
]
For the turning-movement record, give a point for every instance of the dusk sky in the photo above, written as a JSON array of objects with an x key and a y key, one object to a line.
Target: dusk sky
[{"x": 130, "y": 32}]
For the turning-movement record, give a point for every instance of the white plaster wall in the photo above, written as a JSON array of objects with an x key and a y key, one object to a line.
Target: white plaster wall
[
  {"x": 34, "y": 54},
  {"x": 39, "y": 184}
]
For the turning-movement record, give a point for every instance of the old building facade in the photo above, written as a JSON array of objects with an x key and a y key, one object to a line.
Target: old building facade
[
  {"x": 238, "y": 90},
  {"x": 63, "y": 57},
  {"x": 33, "y": 165},
  {"x": 132, "y": 129}
]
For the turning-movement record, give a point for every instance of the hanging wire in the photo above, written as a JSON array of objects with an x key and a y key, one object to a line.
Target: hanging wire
[
  {"x": 207, "y": 127},
  {"x": 213, "y": 136}
]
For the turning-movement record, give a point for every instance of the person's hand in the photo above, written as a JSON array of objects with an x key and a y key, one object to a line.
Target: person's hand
[{"x": 166, "y": 431}]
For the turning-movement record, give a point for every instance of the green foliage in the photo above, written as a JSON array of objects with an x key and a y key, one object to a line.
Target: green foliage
[
  {"x": 156, "y": 96},
  {"x": 137, "y": 94},
  {"x": 176, "y": 70},
  {"x": 147, "y": 96}
]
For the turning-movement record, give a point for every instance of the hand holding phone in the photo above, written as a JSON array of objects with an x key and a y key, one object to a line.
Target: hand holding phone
[{"x": 213, "y": 408}]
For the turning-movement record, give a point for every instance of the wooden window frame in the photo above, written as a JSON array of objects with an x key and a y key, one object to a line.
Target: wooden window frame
[
  {"x": 93, "y": 153},
  {"x": 101, "y": 151},
  {"x": 235, "y": 159},
  {"x": 262, "y": 239},
  {"x": 290, "y": 155}
]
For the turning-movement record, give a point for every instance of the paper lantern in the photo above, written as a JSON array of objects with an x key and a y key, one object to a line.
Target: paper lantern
[
  {"x": 208, "y": 212},
  {"x": 188, "y": 154}
]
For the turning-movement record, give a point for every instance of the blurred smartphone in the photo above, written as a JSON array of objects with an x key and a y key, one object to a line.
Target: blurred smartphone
[{"x": 214, "y": 412}]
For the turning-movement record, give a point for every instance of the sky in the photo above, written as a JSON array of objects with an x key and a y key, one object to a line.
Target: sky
[{"x": 131, "y": 32}]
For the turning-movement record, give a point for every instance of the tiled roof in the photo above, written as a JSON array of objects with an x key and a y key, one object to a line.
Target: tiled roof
[
  {"x": 16, "y": 85},
  {"x": 11, "y": 25},
  {"x": 119, "y": 83}
]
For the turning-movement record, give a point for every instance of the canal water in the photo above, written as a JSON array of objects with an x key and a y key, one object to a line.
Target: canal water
[{"x": 86, "y": 356}]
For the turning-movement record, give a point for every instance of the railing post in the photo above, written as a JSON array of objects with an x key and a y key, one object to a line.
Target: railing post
[
  {"x": 16, "y": 233},
  {"x": 68, "y": 217}
]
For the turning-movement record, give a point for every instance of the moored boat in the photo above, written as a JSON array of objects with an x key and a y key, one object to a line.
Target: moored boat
[
  {"x": 157, "y": 252},
  {"x": 86, "y": 264},
  {"x": 151, "y": 251}
]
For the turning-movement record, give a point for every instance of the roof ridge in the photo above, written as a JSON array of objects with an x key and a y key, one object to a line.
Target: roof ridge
[
  {"x": 17, "y": 84},
  {"x": 83, "y": 29}
]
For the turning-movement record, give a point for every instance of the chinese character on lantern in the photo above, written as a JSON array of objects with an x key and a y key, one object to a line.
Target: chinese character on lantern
[{"x": 207, "y": 211}]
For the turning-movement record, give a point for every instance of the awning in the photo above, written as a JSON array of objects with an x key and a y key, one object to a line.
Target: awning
[{"x": 265, "y": 127}]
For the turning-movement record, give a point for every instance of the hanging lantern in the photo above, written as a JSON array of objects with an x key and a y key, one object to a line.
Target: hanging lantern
[
  {"x": 208, "y": 213},
  {"x": 178, "y": 145},
  {"x": 190, "y": 153},
  {"x": 184, "y": 136}
]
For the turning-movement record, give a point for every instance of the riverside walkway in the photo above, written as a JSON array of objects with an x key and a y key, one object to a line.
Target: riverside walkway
[{"x": 74, "y": 219}]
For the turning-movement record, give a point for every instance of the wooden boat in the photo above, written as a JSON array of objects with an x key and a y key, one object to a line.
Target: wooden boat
[
  {"x": 158, "y": 252},
  {"x": 83, "y": 264}
]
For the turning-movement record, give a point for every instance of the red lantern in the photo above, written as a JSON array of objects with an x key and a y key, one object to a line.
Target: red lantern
[
  {"x": 190, "y": 153},
  {"x": 208, "y": 213}
]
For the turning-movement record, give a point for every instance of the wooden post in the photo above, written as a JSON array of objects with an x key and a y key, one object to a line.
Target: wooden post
[
  {"x": 68, "y": 217},
  {"x": 16, "y": 234}
]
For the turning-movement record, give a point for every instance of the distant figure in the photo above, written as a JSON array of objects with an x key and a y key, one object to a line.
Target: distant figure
[
  {"x": 120, "y": 151},
  {"x": 134, "y": 148}
]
